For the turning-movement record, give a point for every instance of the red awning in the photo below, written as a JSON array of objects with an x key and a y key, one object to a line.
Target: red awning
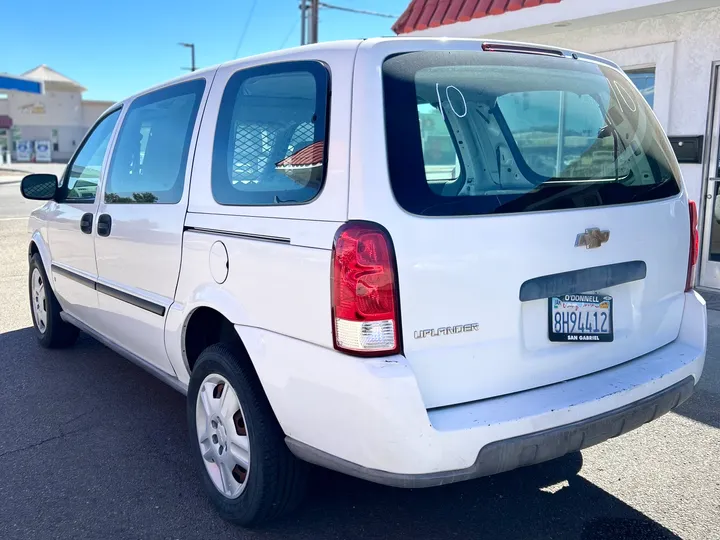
[
  {"x": 422, "y": 14},
  {"x": 5, "y": 121}
]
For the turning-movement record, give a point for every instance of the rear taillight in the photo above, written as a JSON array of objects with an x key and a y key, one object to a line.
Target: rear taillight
[
  {"x": 694, "y": 246},
  {"x": 365, "y": 307}
]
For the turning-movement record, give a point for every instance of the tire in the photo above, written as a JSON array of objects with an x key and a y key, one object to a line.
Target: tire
[
  {"x": 50, "y": 330},
  {"x": 271, "y": 480}
]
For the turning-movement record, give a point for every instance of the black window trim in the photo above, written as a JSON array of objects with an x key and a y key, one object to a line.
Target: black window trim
[
  {"x": 76, "y": 154},
  {"x": 228, "y": 98},
  {"x": 149, "y": 97}
]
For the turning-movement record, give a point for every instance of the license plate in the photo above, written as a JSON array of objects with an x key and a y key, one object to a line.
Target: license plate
[{"x": 580, "y": 317}]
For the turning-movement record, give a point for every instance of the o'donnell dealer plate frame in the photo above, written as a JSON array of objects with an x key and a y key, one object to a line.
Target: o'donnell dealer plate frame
[{"x": 581, "y": 337}]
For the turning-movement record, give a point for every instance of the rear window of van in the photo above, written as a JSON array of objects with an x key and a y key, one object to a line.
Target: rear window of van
[{"x": 472, "y": 133}]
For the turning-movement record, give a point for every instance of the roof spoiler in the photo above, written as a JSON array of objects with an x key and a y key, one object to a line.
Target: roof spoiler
[
  {"x": 523, "y": 49},
  {"x": 527, "y": 48}
]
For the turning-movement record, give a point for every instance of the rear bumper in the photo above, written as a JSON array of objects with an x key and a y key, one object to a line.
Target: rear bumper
[
  {"x": 521, "y": 451},
  {"x": 366, "y": 417}
]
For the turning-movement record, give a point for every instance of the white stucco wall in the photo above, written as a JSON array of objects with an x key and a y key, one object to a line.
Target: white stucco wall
[
  {"x": 681, "y": 47},
  {"x": 580, "y": 13},
  {"x": 91, "y": 111},
  {"x": 69, "y": 138},
  {"x": 61, "y": 108},
  {"x": 64, "y": 113}
]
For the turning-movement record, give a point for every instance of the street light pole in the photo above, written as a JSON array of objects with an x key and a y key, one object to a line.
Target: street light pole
[{"x": 191, "y": 46}]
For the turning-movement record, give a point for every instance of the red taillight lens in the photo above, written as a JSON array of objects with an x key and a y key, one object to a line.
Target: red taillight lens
[
  {"x": 694, "y": 246},
  {"x": 365, "y": 311}
]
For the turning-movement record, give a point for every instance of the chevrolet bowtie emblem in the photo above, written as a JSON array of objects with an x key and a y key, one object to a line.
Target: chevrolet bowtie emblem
[{"x": 592, "y": 238}]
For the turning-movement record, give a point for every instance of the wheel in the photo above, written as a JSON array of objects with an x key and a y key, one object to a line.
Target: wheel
[
  {"x": 238, "y": 445},
  {"x": 51, "y": 331}
]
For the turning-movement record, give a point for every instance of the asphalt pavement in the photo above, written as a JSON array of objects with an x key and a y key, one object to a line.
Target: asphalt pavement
[
  {"x": 12, "y": 205},
  {"x": 92, "y": 447}
]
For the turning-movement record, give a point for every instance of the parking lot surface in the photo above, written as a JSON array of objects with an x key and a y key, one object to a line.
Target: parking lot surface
[{"x": 93, "y": 447}]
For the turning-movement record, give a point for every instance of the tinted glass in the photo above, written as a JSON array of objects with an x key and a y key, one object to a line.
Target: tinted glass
[
  {"x": 472, "y": 133},
  {"x": 82, "y": 176},
  {"x": 441, "y": 161},
  {"x": 557, "y": 134},
  {"x": 644, "y": 80},
  {"x": 270, "y": 139},
  {"x": 150, "y": 156}
]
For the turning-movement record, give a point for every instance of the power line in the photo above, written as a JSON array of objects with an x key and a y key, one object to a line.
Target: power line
[
  {"x": 290, "y": 33},
  {"x": 309, "y": 11},
  {"x": 359, "y": 11},
  {"x": 245, "y": 28}
]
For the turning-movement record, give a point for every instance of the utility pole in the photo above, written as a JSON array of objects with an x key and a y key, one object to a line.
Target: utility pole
[
  {"x": 314, "y": 19},
  {"x": 191, "y": 46},
  {"x": 303, "y": 20},
  {"x": 309, "y": 20}
]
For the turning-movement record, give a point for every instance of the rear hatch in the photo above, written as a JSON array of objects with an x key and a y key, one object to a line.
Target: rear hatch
[{"x": 521, "y": 177}]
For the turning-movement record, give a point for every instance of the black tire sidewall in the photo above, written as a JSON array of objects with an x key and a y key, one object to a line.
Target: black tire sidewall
[
  {"x": 266, "y": 439},
  {"x": 45, "y": 338}
]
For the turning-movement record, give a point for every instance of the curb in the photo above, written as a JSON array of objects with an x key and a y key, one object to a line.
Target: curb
[
  {"x": 712, "y": 297},
  {"x": 14, "y": 179},
  {"x": 11, "y": 170}
]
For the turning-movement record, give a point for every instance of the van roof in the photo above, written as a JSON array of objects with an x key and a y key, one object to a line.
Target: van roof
[{"x": 352, "y": 44}]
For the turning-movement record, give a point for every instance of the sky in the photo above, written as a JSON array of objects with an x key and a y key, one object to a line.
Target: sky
[{"x": 118, "y": 47}]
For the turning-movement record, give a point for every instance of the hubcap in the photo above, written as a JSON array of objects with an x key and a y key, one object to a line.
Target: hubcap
[
  {"x": 38, "y": 300},
  {"x": 223, "y": 437}
]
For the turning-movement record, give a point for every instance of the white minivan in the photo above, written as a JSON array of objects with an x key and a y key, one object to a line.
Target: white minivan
[{"x": 414, "y": 261}]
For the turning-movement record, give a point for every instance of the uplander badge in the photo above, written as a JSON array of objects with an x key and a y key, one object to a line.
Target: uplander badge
[{"x": 447, "y": 330}]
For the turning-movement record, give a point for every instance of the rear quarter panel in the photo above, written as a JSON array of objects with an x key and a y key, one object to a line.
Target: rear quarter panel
[{"x": 280, "y": 286}]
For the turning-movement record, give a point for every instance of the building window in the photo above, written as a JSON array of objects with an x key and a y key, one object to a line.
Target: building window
[{"x": 644, "y": 79}]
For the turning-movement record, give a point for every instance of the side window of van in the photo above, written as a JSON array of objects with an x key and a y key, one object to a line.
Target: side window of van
[
  {"x": 79, "y": 185},
  {"x": 150, "y": 156},
  {"x": 270, "y": 143}
]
